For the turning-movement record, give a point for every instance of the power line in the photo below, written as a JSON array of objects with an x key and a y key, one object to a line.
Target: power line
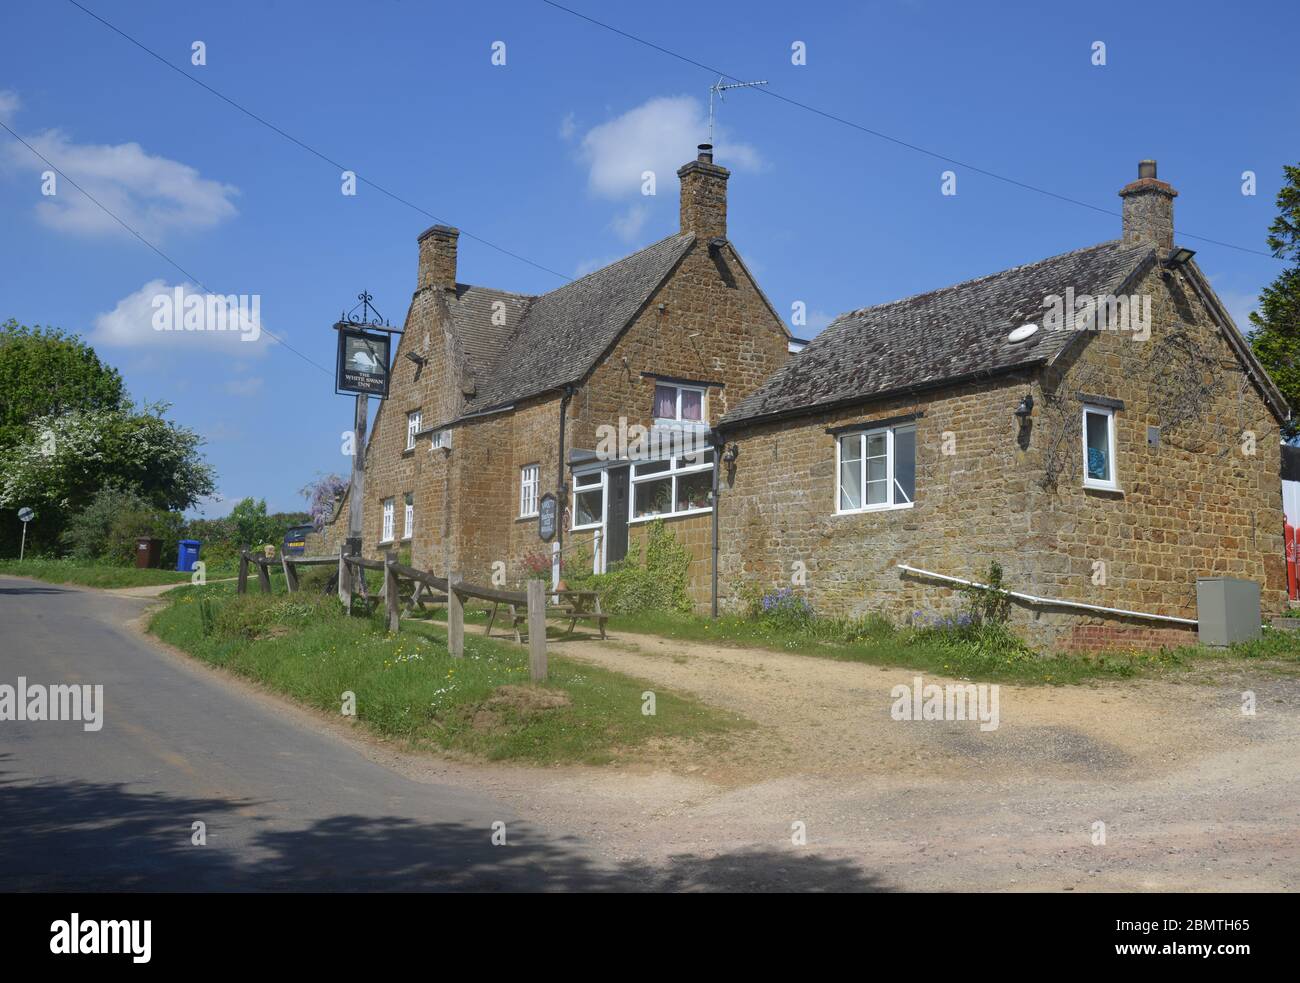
[
  {"x": 116, "y": 218},
  {"x": 312, "y": 150},
  {"x": 883, "y": 136}
]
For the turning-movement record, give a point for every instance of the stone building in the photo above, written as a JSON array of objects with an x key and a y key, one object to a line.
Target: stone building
[
  {"x": 1094, "y": 422},
  {"x": 499, "y": 398}
]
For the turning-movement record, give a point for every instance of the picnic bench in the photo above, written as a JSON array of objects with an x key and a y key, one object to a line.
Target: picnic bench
[{"x": 575, "y": 605}]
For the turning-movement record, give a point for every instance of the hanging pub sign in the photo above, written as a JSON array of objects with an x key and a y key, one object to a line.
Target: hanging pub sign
[
  {"x": 362, "y": 361},
  {"x": 547, "y": 516}
]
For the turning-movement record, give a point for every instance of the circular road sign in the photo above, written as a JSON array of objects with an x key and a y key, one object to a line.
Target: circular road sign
[{"x": 26, "y": 514}]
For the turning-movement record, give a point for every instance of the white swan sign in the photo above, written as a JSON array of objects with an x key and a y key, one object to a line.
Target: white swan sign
[{"x": 362, "y": 362}]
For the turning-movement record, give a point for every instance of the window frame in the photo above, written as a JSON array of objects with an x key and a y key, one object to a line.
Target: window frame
[
  {"x": 704, "y": 404},
  {"x": 408, "y": 515},
  {"x": 601, "y": 485},
  {"x": 387, "y": 522},
  {"x": 672, "y": 473},
  {"x": 413, "y": 419},
  {"x": 891, "y": 472},
  {"x": 1108, "y": 412},
  {"x": 530, "y": 476}
]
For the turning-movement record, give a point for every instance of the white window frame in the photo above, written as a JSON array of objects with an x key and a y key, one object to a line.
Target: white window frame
[
  {"x": 677, "y": 467},
  {"x": 412, "y": 428},
  {"x": 1112, "y": 483},
  {"x": 437, "y": 440},
  {"x": 408, "y": 515},
  {"x": 601, "y": 485},
  {"x": 386, "y": 532},
  {"x": 704, "y": 404},
  {"x": 529, "y": 480},
  {"x": 891, "y": 475}
]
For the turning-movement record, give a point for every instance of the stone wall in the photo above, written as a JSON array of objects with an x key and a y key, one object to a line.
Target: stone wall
[{"x": 1194, "y": 506}]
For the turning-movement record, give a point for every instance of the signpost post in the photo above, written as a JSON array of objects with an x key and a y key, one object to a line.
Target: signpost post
[
  {"x": 26, "y": 515},
  {"x": 362, "y": 367}
]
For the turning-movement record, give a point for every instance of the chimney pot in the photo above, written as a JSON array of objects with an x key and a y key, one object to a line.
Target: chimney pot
[
  {"x": 706, "y": 153},
  {"x": 1146, "y": 168}
]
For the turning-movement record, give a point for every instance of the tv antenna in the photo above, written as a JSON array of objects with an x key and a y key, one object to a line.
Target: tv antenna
[{"x": 720, "y": 87}]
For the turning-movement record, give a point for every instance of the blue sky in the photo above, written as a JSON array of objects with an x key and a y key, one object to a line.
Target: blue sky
[{"x": 542, "y": 156}]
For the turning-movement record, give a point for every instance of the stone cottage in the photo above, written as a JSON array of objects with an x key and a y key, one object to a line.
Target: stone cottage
[
  {"x": 603, "y": 393},
  {"x": 1094, "y": 422}
]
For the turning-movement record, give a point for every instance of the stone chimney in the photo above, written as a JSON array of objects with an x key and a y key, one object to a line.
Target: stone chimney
[
  {"x": 704, "y": 196},
  {"x": 438, "y": 258},
  {"x": 1149, "y": 208}
]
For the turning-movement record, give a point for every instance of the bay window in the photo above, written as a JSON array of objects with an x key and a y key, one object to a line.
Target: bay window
[{"x": 673, "y": 487}]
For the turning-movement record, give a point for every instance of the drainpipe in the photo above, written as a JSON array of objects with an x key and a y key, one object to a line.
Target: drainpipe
[
  {"x": 717, "y": 466},
  {"x": 561, "y": 486}
]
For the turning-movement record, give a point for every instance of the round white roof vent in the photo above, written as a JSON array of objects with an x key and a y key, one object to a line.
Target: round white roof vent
[{"x": 1023, "y": 333}]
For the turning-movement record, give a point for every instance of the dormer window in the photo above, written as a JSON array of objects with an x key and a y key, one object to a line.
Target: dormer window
[{"x": 679, "y": 403}]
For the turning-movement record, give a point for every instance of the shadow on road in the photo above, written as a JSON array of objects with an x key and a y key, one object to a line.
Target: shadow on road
[
  {"x": 99, "y": 837},
  {"x": 33, "y": 589}
]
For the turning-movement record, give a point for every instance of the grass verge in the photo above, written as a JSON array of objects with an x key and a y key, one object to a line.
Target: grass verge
[
  {"x": 408, "y": 686},
  {"x": 969, "y": 654},
  {"x": 90, "y": 575}
]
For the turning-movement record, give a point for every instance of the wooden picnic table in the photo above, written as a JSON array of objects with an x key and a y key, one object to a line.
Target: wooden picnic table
[{"x": 576, "y": 605}]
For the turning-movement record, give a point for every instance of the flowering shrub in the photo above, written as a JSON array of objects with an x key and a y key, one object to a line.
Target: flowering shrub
[{"x": 785, "y": 609}]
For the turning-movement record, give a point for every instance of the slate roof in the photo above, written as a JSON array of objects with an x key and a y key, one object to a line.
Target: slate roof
[
  {"x": 555, "y": 338},
  {"x": 933, "y": 338}
]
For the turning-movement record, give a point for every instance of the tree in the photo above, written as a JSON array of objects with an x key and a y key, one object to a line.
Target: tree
[
  {"x": 46, "y": 372},
  {"x": 62, "y": 461},
  {"x": 1276, "y": 335}
]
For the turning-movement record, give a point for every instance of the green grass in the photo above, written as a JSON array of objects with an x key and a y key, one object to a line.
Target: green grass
[
  {"x": 964, "y": 654},
  {"x": 90, "y": 574},
  {"x": 409, "y": 687}
]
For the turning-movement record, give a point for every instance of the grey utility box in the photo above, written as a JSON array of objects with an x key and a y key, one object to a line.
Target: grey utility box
[{"x": 1227, "y": 610}]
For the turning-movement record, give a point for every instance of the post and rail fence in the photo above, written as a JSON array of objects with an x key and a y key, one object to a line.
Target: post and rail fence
[{"x": 351, "y": 582}]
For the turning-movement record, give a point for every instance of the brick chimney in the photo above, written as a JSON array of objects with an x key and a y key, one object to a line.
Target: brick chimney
[
  {"x": 438, "y": 258},
  {"x": 1149, "y": 208},
  {"x": 704, "y": 195}
]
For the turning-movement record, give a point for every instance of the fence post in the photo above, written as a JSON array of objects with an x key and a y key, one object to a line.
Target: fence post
[
  {"x": 290, "y": 574},
  {"x": 344, "y": 595},
  {"x": 263, "y": 576},
  {"x": 242, "y": 587},
  {"x": 390, "y": 589},
  {"x": 455, "y": 618},
  {"x": 536, "y": 630}
]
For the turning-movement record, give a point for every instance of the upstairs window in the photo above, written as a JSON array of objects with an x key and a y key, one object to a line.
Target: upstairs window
[
  {"x": 684, "y": 403},
  {"x": 528, "y": 475},
  {"x": 877, "y": 469},
  {"x": 386, "y": 535},
  {"x": 1099, "y": 448},
  {"x": 412, "y": 428}
]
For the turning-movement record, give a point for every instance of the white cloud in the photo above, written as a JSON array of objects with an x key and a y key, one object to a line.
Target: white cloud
[
  {"x": 568, "y": 126},
  {"x": 660, "y": 135},
  {"x": 211, "y": 323},
  {"x": 9, "y": 104},
  {"x": 151, "y": 194},
  {"x": 628, "y": 223}
]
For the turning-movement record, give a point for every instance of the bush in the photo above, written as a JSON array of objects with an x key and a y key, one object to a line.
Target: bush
[
  {"x": 88, "y": 532},
  {"x": 653, "y": 578}
]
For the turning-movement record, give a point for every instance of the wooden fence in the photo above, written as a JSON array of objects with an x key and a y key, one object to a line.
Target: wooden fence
[{"x": 352, "y": 581}]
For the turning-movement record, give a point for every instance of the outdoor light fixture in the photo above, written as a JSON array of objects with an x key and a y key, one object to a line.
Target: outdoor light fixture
[
  {"x": 1026, "y": 406},
  {"x": 716, "y": 243},
  {"x": 730, "y": 454},
  {"x": 1179, "y": 256},
  {"x": 417, "y": 359}
]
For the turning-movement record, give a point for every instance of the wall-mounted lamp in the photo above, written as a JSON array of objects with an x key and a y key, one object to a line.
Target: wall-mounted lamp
[
  {"x": 730, "y": 454},
  {"x": 1179, "y": 256},
  {"x": 1026, "y": 406},
  {"x": 417, "y": 359}
]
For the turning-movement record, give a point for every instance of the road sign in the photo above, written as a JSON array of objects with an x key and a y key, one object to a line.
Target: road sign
[{"x": 26, "y": 514}]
